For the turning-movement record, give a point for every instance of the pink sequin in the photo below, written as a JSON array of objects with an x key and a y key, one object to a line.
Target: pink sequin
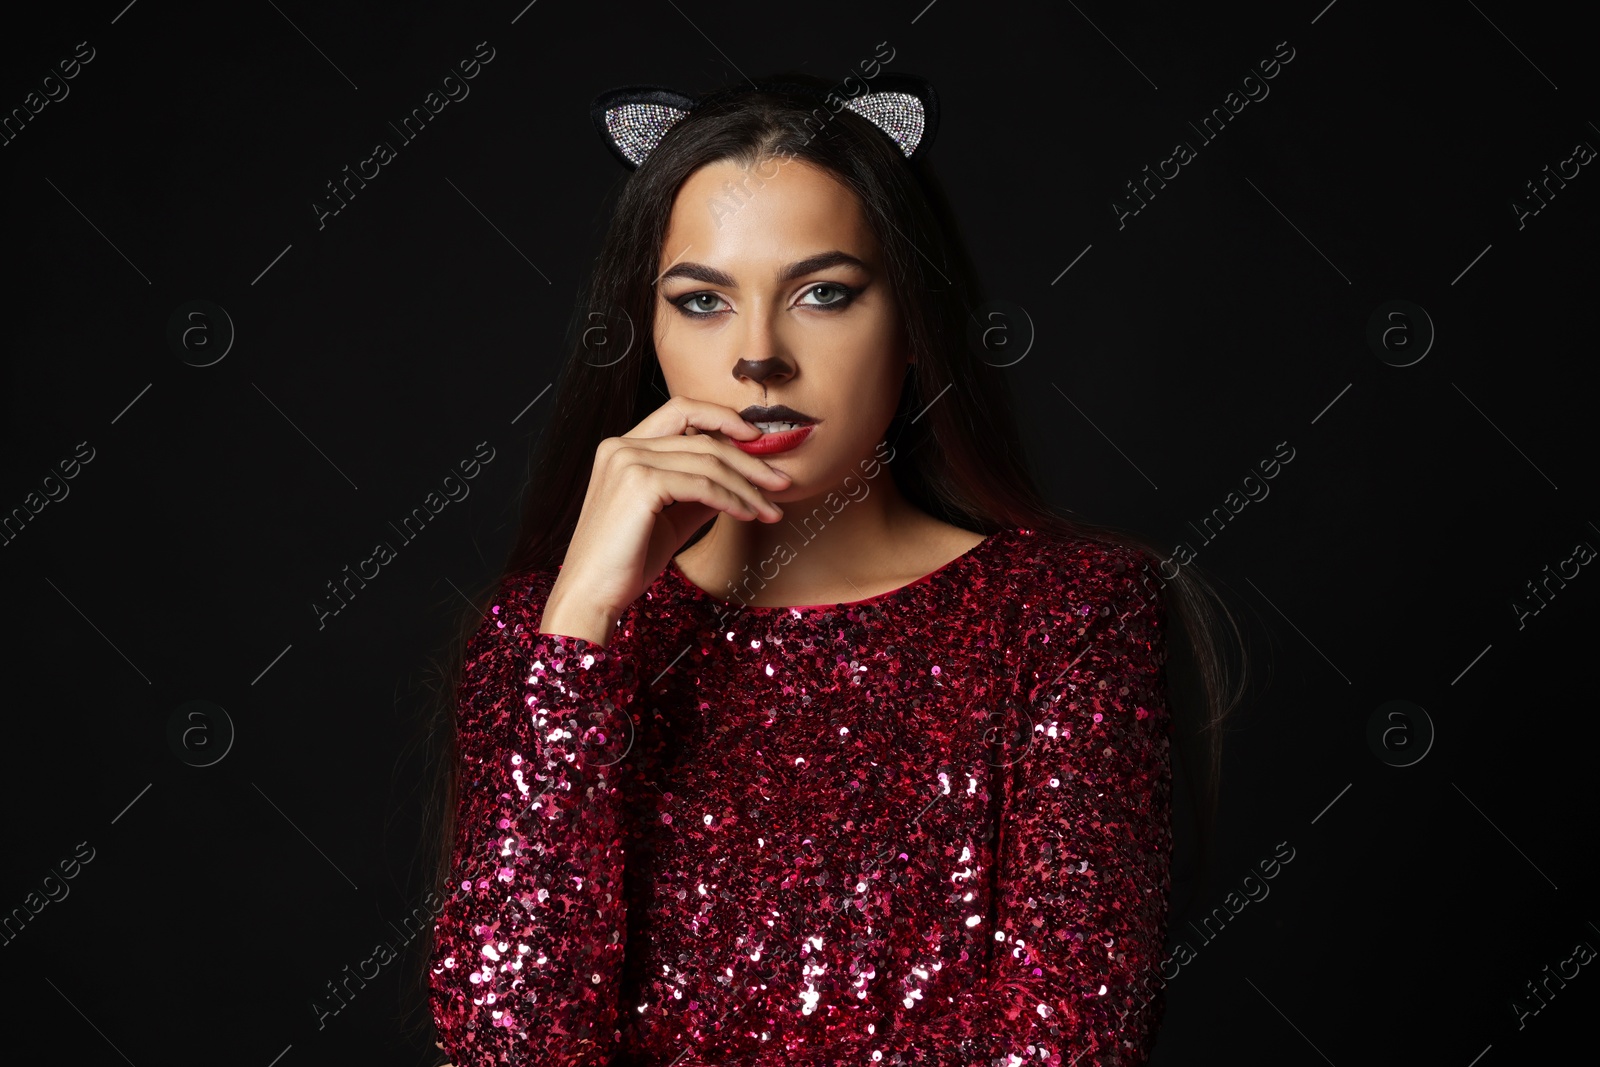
[{"x": 905, "y": 830}]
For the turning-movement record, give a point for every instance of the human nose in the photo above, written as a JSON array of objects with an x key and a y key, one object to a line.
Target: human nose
[
  {"x": 761, "y": 371},
  {"x": 764, "y": 360}
]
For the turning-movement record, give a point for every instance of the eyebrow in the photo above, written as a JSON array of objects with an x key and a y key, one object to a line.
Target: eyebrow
[{"x": 712, "y": 276}]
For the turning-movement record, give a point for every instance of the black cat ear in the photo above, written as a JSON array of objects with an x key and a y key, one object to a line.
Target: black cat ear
[
  {"x": 633, "y": 119},
  {"x": 903, "y": 106}
]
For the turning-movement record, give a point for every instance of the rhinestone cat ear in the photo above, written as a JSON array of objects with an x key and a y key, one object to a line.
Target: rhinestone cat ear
[
  {"x": 902, "y": 106},
  {"x": 632, "y": 119}
]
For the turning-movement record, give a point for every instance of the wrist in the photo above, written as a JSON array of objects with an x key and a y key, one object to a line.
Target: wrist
[{"x": 564, "y": 617}]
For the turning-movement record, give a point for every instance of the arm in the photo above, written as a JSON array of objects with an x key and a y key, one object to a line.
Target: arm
[
  {"x": 528, "y": 949},
  {"x": 1089, "y": 856},
  {"x": 1081, "y": 876}
]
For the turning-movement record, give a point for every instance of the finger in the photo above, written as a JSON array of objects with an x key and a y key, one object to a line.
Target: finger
[
  {"x": 752, "y": 468},
  {"x": 711, "y": 466},
  {"x": 704, "y": 489},
  {"x": 681, "y": 412}
]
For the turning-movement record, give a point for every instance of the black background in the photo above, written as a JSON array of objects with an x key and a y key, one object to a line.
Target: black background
[{"x": 1229, "y": 315}]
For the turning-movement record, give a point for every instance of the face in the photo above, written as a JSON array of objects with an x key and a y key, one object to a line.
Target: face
[{"x": 777, "y": 297}]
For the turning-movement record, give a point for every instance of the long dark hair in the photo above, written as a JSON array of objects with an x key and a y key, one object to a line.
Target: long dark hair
[{"x": 961, "y": 461}]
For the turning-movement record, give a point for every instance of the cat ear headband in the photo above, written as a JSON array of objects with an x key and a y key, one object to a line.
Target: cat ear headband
[{"x": 633, "y": 119}]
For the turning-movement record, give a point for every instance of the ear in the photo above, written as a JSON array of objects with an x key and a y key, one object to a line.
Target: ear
[
  {"x": 633, "y": 119},
  {"x": 903, "y": 106}
]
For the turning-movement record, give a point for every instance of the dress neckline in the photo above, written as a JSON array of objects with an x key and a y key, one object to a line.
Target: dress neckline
[{"x": 943, "y": 570}]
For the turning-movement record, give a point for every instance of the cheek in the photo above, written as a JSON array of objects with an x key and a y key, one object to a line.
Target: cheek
[
  {"x": 892, "y": 373},
  {"x": 869, "y": 398},
  {"x": 661, "y": 334},
  {"x": 689, "y": 373},
  {"x": 669, "y": 343}
]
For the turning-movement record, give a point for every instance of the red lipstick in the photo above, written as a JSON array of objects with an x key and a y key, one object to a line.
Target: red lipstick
[{"x": 771, "y": 443}]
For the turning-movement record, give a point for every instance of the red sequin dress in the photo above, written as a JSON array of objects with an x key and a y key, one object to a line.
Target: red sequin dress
[{"x": 930, "y": 827}]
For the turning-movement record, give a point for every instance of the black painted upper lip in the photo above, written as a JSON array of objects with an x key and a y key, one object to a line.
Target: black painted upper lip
[{"x": 777, "y": 413}]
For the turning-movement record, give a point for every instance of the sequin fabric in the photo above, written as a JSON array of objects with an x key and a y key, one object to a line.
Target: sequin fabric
[{"x": 930, "y": 827}]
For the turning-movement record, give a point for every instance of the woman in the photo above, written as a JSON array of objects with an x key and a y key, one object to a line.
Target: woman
[{"x": 799, "y": 729}]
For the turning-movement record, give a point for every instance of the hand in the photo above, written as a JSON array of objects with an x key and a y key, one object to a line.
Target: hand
[{"x": 649, "y": 491}]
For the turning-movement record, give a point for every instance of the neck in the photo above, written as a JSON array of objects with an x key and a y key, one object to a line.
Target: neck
[{"x": 825, "y": 546}]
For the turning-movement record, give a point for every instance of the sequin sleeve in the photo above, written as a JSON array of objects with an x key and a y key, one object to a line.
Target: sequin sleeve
[
  {"x": 1081, "y": 877},
  {"x": 1083, "y": 870},
  {"x": 528, "y": 949}
]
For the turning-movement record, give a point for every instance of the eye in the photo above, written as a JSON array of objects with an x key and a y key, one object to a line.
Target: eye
[
  {"x": 699, "y": 311},
  {"x": 695, "y": 305},
  {"x": 844, "y": 294}
]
